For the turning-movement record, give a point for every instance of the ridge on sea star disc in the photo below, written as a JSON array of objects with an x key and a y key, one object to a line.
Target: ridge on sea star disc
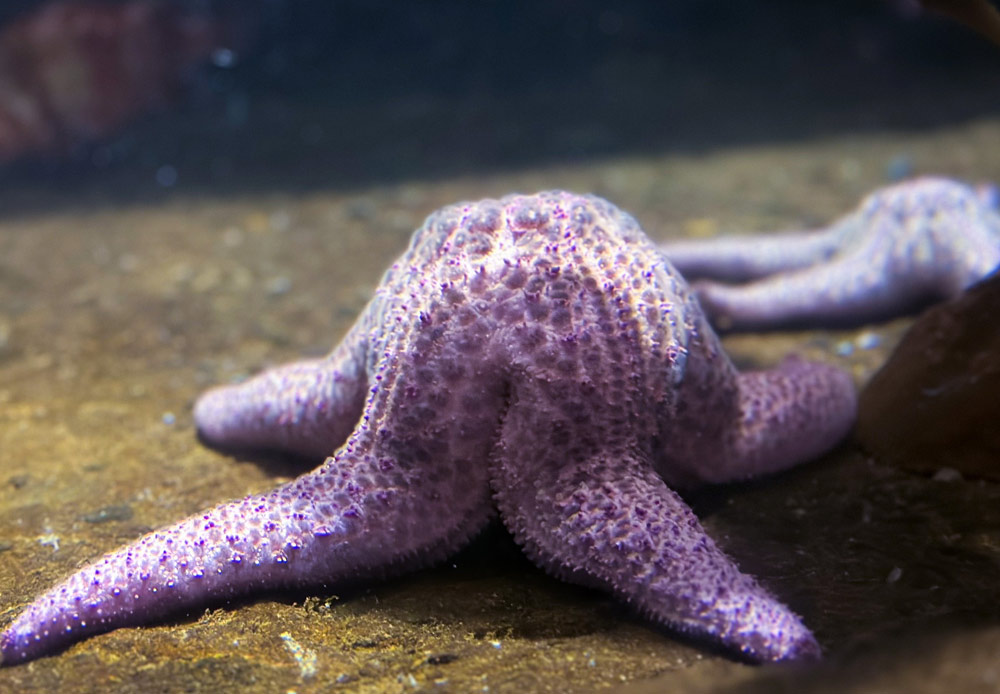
[
  {"x": 534, "y": 355},
  {"x": 904, "y": 246}
]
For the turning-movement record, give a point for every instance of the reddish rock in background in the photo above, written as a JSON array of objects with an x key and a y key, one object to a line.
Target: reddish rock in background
[
  {"x": 76, "y": 71},
  {"x": 936, "y": 402}
]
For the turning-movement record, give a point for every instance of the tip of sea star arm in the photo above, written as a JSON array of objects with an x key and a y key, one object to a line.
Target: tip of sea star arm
[
  {"x": 761, "y": 631},
  {"x": 768, "y": 631},
  {"x": 799, "y": 646}
]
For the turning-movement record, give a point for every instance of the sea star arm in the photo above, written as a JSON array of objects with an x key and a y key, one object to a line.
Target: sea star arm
[
  {"x": 602, "y": 513},
  {"x": 729, "y": 425},
  {"x": 364, "y": 512},
  {"x": 741, "y": 258},
  {"x": 323, "y": 526},
  {"x": 307, "y": 407},
  {"x": 611, "y": 522},
  {"x": 794, "y": 412}
]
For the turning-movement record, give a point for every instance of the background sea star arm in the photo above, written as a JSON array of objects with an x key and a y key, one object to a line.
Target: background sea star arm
[
  {"x": 307, "y": 407},
  {"x": 611, "y": 522},
  {"x": 905, "y": 245},
  {"x": 849, "y": 289},
  {"x": 740, "y": 258},
  {"x": 974, "y": 251}
]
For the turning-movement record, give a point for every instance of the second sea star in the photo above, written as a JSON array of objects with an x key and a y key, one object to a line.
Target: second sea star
[{"x": 904, "y": 245}]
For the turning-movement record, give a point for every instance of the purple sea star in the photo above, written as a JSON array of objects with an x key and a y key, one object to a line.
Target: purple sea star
[
  {"x": 904, "y": 245},
  {"x": 535, "y": 355}
]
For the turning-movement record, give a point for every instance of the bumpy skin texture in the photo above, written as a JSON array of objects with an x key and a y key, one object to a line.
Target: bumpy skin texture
[
  {"x": 905, "y": 245},
  {"x": 534, "y": 354}
]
